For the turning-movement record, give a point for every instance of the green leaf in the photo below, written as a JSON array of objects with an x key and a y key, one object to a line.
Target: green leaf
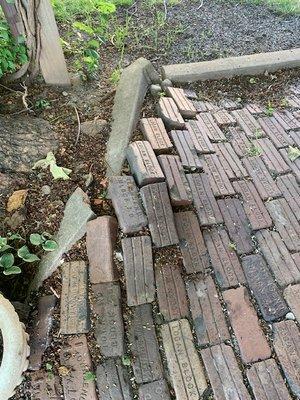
[
  {"x": 15, "y": 236},
  {"x": 45, "y": 162},
  {"x": 4, "y": 248},
  {"x": 294, "y": 153},
  {"x": 7, "y": 260},
  {"x": 23, "y": 252},
  {"x": 60, "y": 172},
  {"x": 36, "y": 239},
  {"x": 12, "y": 271},
  {"x": 50, "y": 245},
  {"x": 94, "y": 44},
  {"x": 89, "y": 376},
  {"x": 30, "y": 258},
  {"x": 126, "y": 361},
  {"x": 83, "y": 27}
]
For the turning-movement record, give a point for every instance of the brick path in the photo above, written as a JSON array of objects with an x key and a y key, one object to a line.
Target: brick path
[{"x": 207, "y": 302}]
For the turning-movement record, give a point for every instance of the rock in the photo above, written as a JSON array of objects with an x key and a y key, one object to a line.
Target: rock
[
  {"x": 73, "y": 226},
  {"x": 93, "y": 128},
  {"x": 5, "y": 184},
  {"x": 155, "y": 90},
  {"x": 24, "y": 140},
  {"x": 290, "y": 316},
  {"x": 15, "y": 220},
  {"x": 75, "y": 79},
  {"x": 166, "y": 83},
  {"x": 46, "y": 190}
]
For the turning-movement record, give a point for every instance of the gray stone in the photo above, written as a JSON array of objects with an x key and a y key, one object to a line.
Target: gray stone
[
  {"x": 24, "y": 140},
  {"x": 93, "y": 128},
  {"x": 166, "y": 83},
  {"x": 129, "y": 98},
  {"x": 46, "y": 190},
  {"x": 73, "y": 226},
  {"x": 15, "y": 220},
  {"x": 155, "y": 90}
]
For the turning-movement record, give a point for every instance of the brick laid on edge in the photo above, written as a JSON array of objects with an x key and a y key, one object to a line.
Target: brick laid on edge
[
  {"x": 168, "y": 111},
  {"x": 219, "y": 182},
  {"x": 252, "y": 342},
  {"x": 185, "y": 106},
  {"x": 199, "y": 137},
  {"x": 230, "y": 162},
  {"x": 186, "y": 150},
  {"x": 208, "y": 126},
  {"x": 271, "y": 157},
  {"x": 155, "y": 132},
  {"x": 275, "y": 132},
  {"x": 157, "y": 390},
  {"x": 239, "y": 141},
  {"x": 248, "y": 123},
  {"x": 291, "y": 192},
  {"x": 186, "y": 372},
  {"x": 292, "y": 297}
]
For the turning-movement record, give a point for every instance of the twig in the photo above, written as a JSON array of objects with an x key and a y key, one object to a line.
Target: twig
[
  {"x": 201, "y": 4},
  {"x": 79, "y": 125},
  {"x": 54, "y": 292},
  {"x": 24, "y": 96},
  {"x": 166, "y": 8},
  {"x": 11, "y": 90}
]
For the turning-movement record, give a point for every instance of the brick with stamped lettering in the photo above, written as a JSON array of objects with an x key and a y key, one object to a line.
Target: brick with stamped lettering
[
  {"x": 186, "y": 150},
  {"x": 205, "y": 106},
  {"x": 255, "y": 109},
  {"x": 223, "y": 118},
  {"x": 230, "y": 162},
  {"x": 294, "y": 165},
  {"x": 292, "y": 297},
  {"x": 185, "y": 106},
  {"x": 219, "y": 182},
  {"x": 155, "y": 132},
  {"x": 271, "y": 157},
  {"x": 275, "y": 132},
  {"x": 157, "y": 390},
  {"x": 208, "y": 126},
  {"x": 43, "y": 387},
  {"x": 168, "y": 111},
  {"x": 199, "y": 137},
  {"x": 239, "y": 141},
  {"x": 287, "y": 120},
  {"x": 143, "y": 163},
  {"x": 248, "y": 123}
]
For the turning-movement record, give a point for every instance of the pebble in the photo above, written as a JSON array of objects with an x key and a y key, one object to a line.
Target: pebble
[
  {"x": 166, "y": 83},
  {"x": 290, "y": 315},
  {"x": 46, "y": 190},
  {"x": 155, "y": 90}
]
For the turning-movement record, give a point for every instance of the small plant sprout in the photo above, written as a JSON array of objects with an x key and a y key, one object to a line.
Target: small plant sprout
[
  {"x": 294, "y": 153},
  {"x": 270, "y": 109},
  {"x": 42, "y": 104},
  {"x": 56, "y": 171},
  {"x": 89, "y": 376},
  {"x": 258, "y": 133},
  {"x": 252, "y": 81},
  {"x": 254, "y": 150},
  {"x": 115, "y": 76},
  {"x": 126, "y": 360},
  {"x": 232, "y": 246}
]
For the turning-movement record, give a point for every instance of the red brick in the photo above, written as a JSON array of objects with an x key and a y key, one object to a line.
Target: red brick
[
  {"x": 228, "y": 270},
  {"x": 292, "y": 297},
  {"x": 171, "y": 292},
  {"x": 43, "y": 387},
  {"x": 287, "y": 347},
  {"x": 170, "y": 114},
  {"x": 255, "y": 109},
  {"x": 185, "y": 106},
  {"x": 224, "y": 374},
  {"x": 248, "y": 123},
  {"x": 230, "y": 162},
  {"x": 275, "y": 132},
  {"x": 209, "y": 320},
  {"x": 113, "y": 381},
  {"x": 204, "y": 106},
  {"x": 252, "y": 343},
  {"x": 240, "y": 143},
  {"x": 223, "y": 118},
  {"x": 229, "y": 104},
  {"x": 199, "y": 137},
  {"x": 100, "y": 242},
  {"x": 287, "y": 120},
  {"x": 186, "y": 150},
  {"x": 218, "y": 179},
  {"x": 208, "y": 126},
  {"x": 296, "y": 135},
  {"x": 157, "y": 390},
  {"x": 293, "y": 101},
  {"x": 271, "y": 157},
  {"x": 294, "y": 165},
  {"x": 155, "y": 132}
]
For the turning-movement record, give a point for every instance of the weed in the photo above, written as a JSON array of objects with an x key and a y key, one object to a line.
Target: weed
[
  {"x": 254, "y": 150},
  {"x": 89, "y": 376},
  {"x": 56, "y": 171},
  {"x": 293, "y": 153},
  {"x": 232, "y": 246},
  {"x": 42, "y": 104},
  {"x": 270, "y": 109}
]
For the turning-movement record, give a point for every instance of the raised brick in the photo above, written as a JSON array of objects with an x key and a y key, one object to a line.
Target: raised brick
[
  {"x": 74, "y": 309},
  {"x": 186, "y": 372},
  {"x": 208, "y": 126},
  {"x": 262, "y": 179},
  {"x": 230, "y": 162},
  {"x": 255, "y": 109},
  {"x": 109, "y": 328},
  {"x": 254, "y": 207},
  {"x": 138, "y": 268},
  {"x": 223, "y": 372},
  {"x": 252, "y": 343},
  {"x": 146, "y": 360},
  {"x": 271, "y": 157},
  {"x": 199, "y": 137},
  {"x": 240, "y": 143},
  {"x": 286, "y": 223},
  {"x": 160, "y": 215},
  {"x": 75, "y": 356},
  {"x": 294, "y": 165},
  {"x": 223, "y": 118},
  {"x": 248, "y": 123},
  {"x": 157, "y": 390},
  {"x": 267, "y": 382},
  {"x": 287, "y": 120},
  {"x": 43, "y": 387},
  {"x": 279, "y": 259},
  {"x": 155, "y": 132},
  {"x": 100, "y": 242},
  {"x": 292, "y": 297},
  {"x": 275, "y": 132},
  {"x": 171, "y": 292},
  {"x": 143, "y": 163},
  {"x": 191, "y": 242},
  {"x": 190, "y": 94},
  {"x": 113, "y": 381},
  {"x": 40, "y": 337},
  {"x": 264, "y": 288},
  {"x": 237, "y": 224},
  {"x": 287, "y": 347},
  {"x": 185, "y": 106},
  {"x": 228, "y": 270},
  {"x": 218, "y": 179},
  {"x": 186, "y": 150},
  {"x": 205, "y": 106},
  {"x": 178, "y": 186},
  {"x": 209, "y": 320},
  {"x": 204, "y": 201},
  {"x": 168, "y": 111}
]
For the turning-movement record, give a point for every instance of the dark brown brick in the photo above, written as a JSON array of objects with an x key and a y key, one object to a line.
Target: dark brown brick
[
  {"x": 248, "y": 123},
  {"x": 191, "y": 242},
  {"x": 264, "y": 288},
  {"x": 155, "y": 132},
  {"x": 74, "y": 309},
  {"x": 224, "y": 374},
  {"x": 266, "y": 381},
  {"x": 157, "y": 390},
  {"x": 43, "y": 387},
  {"x": 294, "y": 165},
  {"x": 138, "y": 268},
  {"x": 40, "y": 336},
  {"x": 75, "y": 356},
  {"x": 143, "y": 163},
  {"x": 160, "y": 215},
  {"x": 240, "y": 143},
  {"x": 199, "y": 137},
  {"x": 178, "y": 186},
  {"x": 254, "y": 207},
  {"x": 205, "y": 106},
  {"x": 208, "y": 126},
  {"x": 186, "y": 150},
  {"x": 287, "y": 347},
  {"x": 113, "y": 381},
  {"x": 100, "y": 242},
  {"x": 171, "y": 292},
  {"x": 109, "y": 327},
  {"x": 223, "y": 118},
  {"x": 230, "y": 162},
  {"x": 185, "y": 106},
  {"x": 275, "y": 132},
  {"x": 209, "y": 320},
  {"x": 292, "y": 297},
  {"x": 237, "y": 224},
  {"x": 146, "y": 360},
  {"x": 224, "y": 260},
  {"x": 206, "y": 205},
  {"x": 255, "y": 109},
  {"x": 218, "y": 179},
  {"x": 285, "y": 223},
  {"x": 271, "y": 157},
  {"x": 251, "y": 340},
  {"x": 287, "y": 120},
  {"x": 168, "y": 111},
  {"x": 186, "y": 372},
  {"x": 262, "y": 179},
  {"x": 278, "y": 257}
]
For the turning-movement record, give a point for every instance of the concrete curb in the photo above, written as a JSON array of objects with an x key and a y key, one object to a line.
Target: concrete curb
[
  {"x": 253, "y": 64},
  {"x": 129, "y": 99}
]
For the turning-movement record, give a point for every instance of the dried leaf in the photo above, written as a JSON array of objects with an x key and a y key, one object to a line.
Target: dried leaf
[
  {"x": 63, "y": 371},
  {"x": 16, "y": 200},
  {"x": 104, "y": 182},
  {"x": 98, "y": 202}
]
